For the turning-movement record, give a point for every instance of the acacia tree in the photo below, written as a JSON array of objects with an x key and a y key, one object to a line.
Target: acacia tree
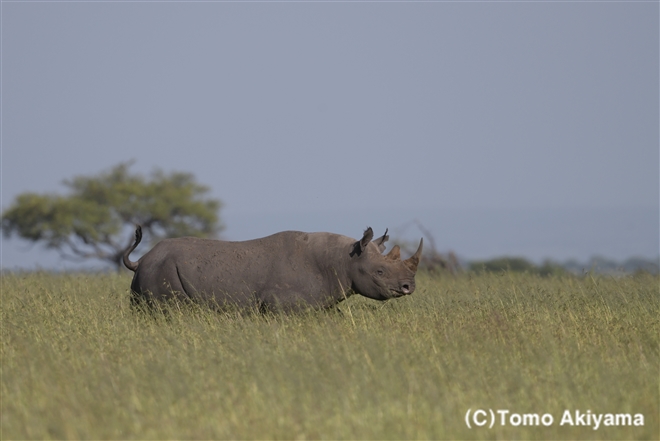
[{"x": 93, "y": 220}]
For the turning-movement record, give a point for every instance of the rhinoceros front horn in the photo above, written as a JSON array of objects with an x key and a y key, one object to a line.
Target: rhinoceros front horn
[{"x": 413, "y": 261}]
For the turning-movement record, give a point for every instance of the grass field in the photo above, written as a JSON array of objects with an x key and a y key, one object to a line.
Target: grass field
[{"x": 77, "y": 362}]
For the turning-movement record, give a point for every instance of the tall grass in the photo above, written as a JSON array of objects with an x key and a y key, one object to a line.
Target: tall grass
[{"x": 77, "y": 362}]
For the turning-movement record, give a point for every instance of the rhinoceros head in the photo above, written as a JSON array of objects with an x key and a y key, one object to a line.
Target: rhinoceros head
[{"x": 381, "y": 276}]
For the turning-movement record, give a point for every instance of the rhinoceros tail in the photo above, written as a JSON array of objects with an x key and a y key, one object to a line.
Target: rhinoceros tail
[{"x": 138, "y": 237}]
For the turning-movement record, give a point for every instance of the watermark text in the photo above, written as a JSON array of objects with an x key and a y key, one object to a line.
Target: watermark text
[{"x": 504, "y": 417}]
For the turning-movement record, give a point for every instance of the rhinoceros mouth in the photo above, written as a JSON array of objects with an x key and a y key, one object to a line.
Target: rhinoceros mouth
[{"x": 400, "y": 292}]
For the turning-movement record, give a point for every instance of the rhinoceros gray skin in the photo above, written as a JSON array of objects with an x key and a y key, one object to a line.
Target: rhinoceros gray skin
[{"x": 286, "y": 271}]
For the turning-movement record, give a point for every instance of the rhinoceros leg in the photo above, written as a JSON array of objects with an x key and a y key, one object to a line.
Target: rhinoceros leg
[
  {"x": 277, "y": 300},
  {"x": 152, "y": 290},
  {"x": 291, "y": 300}
]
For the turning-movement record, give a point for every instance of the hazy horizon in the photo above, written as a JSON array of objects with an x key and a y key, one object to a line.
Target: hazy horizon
[{"x": 536, "y": 234}]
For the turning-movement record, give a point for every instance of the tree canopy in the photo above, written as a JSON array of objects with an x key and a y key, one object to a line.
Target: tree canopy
[{"x": 92, "y": 221}]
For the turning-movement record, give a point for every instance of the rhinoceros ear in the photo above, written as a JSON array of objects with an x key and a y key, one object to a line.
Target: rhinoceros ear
[
  {"x": 380, "y": 242},
  {"x": 394, "y": 254},
  {"x": 360, "y": 245},
  {"x": 413, "y": 261},
  {"x": 366, "y": 238}
]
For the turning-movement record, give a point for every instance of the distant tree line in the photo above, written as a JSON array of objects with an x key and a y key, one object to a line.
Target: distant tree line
[
  {"x": 596, "y": 265},
  {"x": 450, "y": 263},
  {"x": 518, "y": 265}
]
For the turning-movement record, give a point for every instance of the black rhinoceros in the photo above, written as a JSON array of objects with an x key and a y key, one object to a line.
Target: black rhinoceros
[{"x": 286, "y": 271}]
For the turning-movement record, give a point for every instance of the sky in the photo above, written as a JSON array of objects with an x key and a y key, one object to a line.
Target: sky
[{"x": 504, "y": 128}]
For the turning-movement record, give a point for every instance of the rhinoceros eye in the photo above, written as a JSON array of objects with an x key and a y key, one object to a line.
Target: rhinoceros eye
[{"x": 380, "y": 272}]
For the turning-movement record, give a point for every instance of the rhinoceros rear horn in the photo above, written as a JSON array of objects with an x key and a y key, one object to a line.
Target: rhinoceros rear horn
[
  {"x": 413, "y": 261},
  {"x": 394, "y": 254}
]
